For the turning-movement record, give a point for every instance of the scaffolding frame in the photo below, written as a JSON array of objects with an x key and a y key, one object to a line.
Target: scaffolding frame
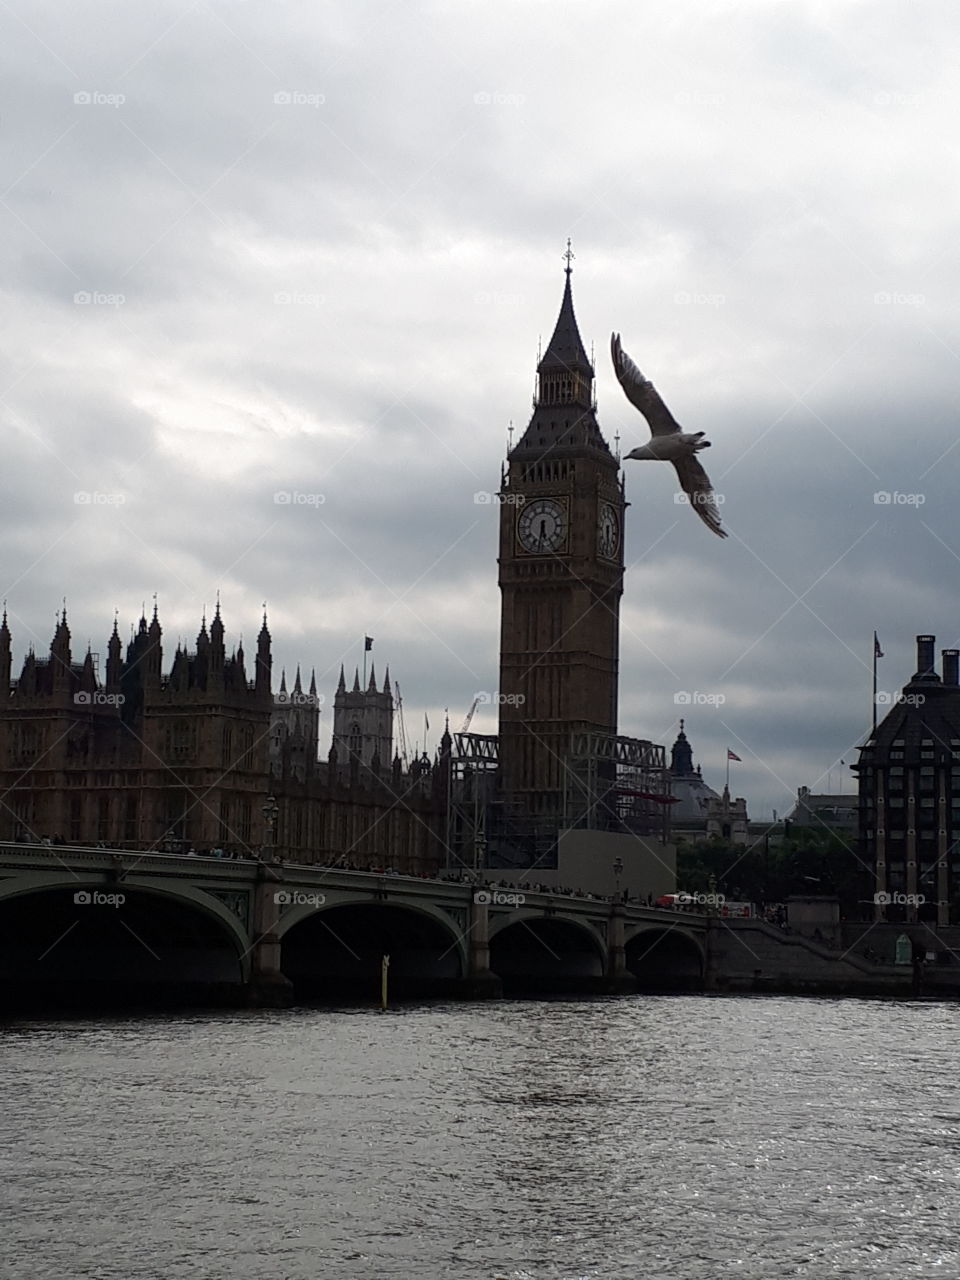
[{"x": 614, "y": 783}]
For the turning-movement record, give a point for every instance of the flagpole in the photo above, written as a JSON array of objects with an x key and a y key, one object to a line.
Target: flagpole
[
  {"x": 876, "y": 646},
  {"x": 728, "y": 768},
  {"x": 364, "y": 685}
]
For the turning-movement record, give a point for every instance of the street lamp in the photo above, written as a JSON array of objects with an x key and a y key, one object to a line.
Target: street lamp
[
  {"x": 617, "y": 872},
  {"x": 270, "y": 811}
]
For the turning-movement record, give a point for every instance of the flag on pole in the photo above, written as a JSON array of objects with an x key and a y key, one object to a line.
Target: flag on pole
[
  {"x": 367, "y": 643},
  {"x": 732, "y": 755},
  {"x": 877, "y": 651}
]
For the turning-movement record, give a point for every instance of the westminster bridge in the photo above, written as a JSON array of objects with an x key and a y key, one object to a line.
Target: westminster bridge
[
  {"x": 82, "y": 926},
  {"x": 90, "y": 924}
]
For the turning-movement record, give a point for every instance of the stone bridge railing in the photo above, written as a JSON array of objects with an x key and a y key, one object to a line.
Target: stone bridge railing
[{"x": 258, "y": 903}]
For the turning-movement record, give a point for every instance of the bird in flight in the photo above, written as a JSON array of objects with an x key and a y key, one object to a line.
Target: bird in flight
[{"x": 668, "y": 443}]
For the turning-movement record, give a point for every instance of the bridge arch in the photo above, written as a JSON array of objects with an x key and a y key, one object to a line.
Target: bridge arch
[
  {"x": 536, "y": 953},
  {"x": 77, "y": 941},
  {"x": 665, "y": 958},
  {"x": 333, "y": 952}
]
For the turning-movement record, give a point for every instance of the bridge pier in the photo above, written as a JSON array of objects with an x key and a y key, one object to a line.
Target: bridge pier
[
  {"x": 481, "y": 983},
  {"x": 268, "y": 987},
  {"x": 617, "y": 979}
]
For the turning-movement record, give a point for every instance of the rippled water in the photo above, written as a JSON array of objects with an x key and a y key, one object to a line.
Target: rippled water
[{"x": 623, "y": 1138}]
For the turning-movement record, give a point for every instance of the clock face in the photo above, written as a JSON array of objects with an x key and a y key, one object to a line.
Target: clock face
[
  {"x": 542, "y": 526},
  {"x": 608, "y": 531}
]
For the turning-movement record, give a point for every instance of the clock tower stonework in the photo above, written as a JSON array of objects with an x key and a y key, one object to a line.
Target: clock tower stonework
[{"x": 561, "y": 578}]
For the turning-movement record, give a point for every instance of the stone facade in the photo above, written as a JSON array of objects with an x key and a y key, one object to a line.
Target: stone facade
[
  {"x": 139, "y": 758},
  {"x": 146, "y": 760}
]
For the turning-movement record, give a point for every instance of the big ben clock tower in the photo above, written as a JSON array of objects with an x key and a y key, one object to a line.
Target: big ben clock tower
[{"x": 561, "y": 578}]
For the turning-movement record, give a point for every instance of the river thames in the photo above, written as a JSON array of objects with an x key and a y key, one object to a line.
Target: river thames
[{"x": 616, "y": 1139}]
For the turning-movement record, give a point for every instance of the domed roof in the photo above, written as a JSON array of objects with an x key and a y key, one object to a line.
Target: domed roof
[{"x": 686, "y": 785}]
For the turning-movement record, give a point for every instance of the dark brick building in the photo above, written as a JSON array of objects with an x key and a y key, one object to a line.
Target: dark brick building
[{"x": 909, "y": 775}]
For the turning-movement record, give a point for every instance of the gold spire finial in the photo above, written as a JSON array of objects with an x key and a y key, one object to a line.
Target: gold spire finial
[{"x": 569, "y": 255}]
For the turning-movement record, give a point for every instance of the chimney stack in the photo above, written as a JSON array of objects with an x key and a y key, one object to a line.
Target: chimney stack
[
  {"x": 951, "y": 666},
  {"x": 925, "y": 651}
]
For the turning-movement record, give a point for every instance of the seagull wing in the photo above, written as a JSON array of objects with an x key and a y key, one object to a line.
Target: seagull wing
[
  {"x": 641, "y": 393},
  {"x": 695, "y": 483}
]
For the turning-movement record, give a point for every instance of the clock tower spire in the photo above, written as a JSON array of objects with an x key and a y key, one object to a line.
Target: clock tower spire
[{"x": 561, "y": 577}]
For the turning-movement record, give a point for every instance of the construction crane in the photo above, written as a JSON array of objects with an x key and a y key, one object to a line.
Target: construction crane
[
  {"x": 400, "y": 725},
  {"x": 470, "y": 714}
]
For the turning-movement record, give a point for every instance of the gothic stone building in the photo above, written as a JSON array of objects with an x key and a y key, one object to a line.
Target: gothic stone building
[
  {"x": 362, "y": 807},
  {"x": 145, "y": 760},
  {"x": 139, "y": 759}
]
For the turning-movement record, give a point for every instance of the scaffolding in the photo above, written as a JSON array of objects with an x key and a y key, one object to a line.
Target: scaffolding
[
  {"x": 614, "y": 783},
  {"x": 471, "y": 790},
  {"x": 611, "y": 784}
]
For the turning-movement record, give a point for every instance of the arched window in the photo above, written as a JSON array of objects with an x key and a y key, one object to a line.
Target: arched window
[{"x": 356, "y": 739}]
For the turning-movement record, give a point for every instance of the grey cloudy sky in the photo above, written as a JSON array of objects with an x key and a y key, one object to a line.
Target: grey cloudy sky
[{"x": 320, "y": 243}]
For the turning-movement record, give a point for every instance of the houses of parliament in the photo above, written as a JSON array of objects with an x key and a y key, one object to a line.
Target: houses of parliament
[{"x": 204, "y": 754}]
